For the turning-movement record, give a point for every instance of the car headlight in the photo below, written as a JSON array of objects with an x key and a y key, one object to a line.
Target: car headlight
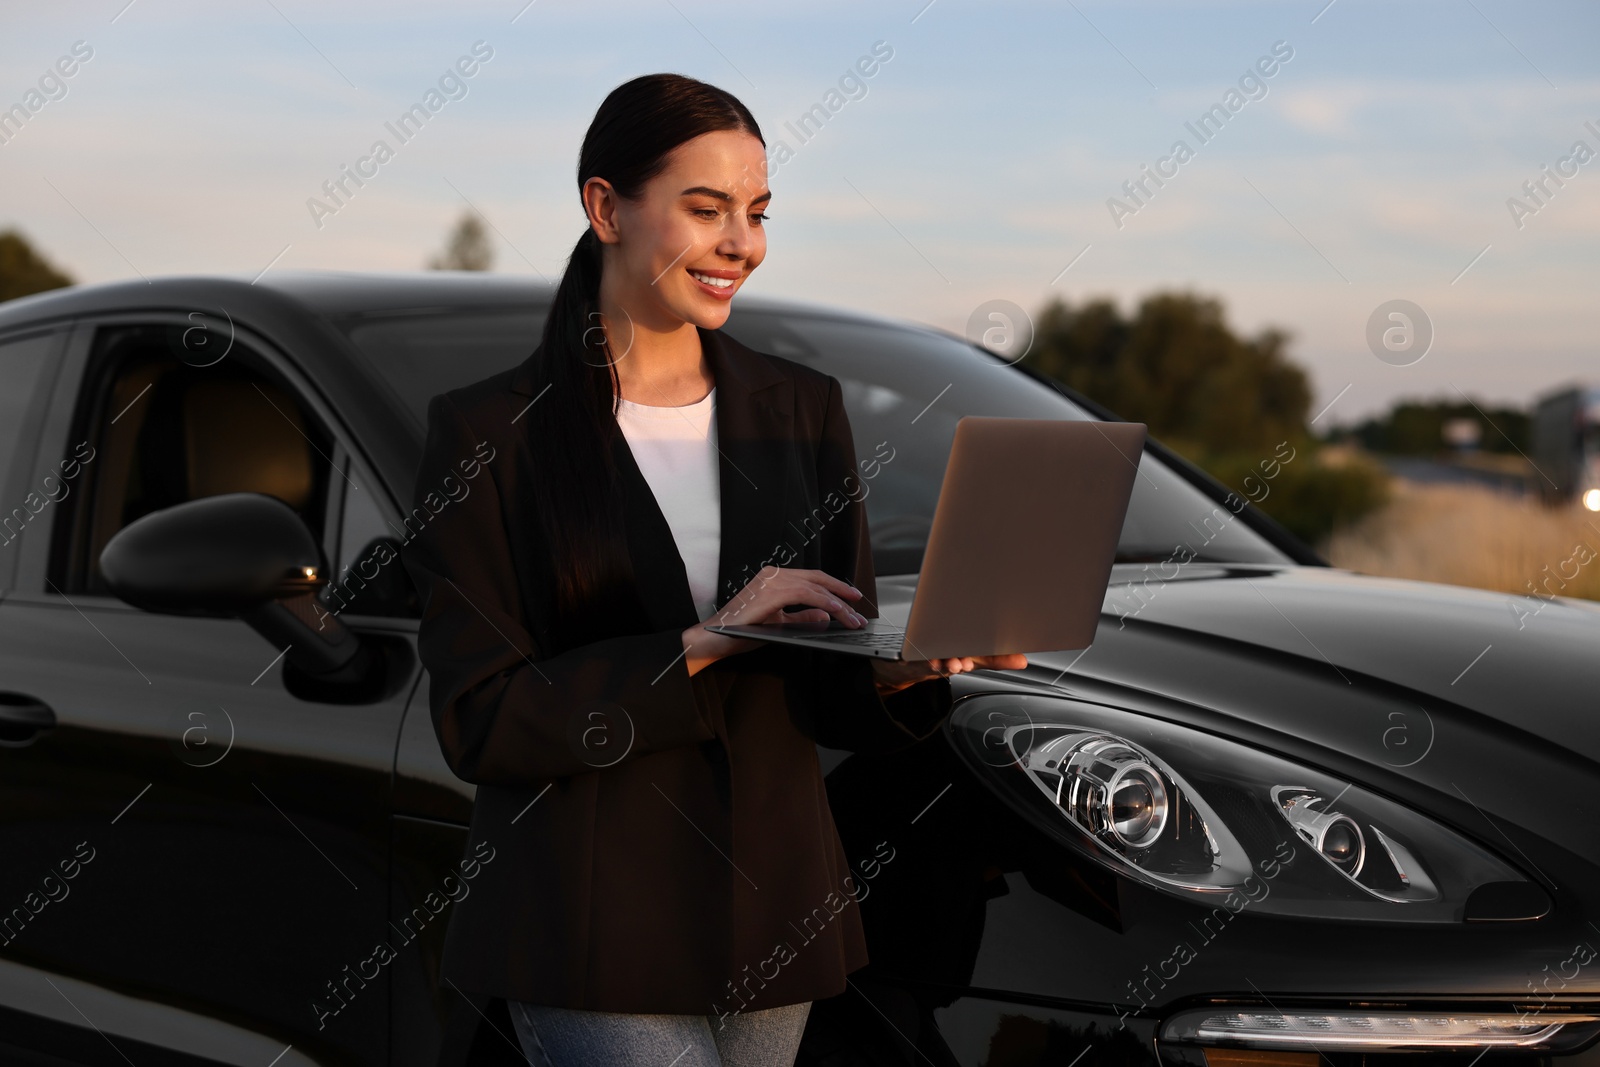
[{"x": 1201, "y": 816}]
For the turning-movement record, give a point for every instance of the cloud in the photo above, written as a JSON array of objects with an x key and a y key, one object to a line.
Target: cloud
[{"x": 1324, "y": 111}]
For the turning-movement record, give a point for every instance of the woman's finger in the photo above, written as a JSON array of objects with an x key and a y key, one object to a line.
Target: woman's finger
[
  {"x": 764, "y": 597},
  {"x": 836, "y": 607},
  {"x": 813, "y": 596},
  {"x": 835, "y": 585},
  {"x": 810, "y": 615},
  {"x": 1008, "y": 661}
]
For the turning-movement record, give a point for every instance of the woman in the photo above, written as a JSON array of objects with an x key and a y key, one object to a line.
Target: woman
[{"x": 656, "y": 874}]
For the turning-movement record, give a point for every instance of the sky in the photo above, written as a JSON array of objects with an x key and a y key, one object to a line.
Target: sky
[{"x": 1381, "y": 160}]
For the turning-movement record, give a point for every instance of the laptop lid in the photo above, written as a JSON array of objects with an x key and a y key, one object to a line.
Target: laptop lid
[{"x": 1024, "y": 535}]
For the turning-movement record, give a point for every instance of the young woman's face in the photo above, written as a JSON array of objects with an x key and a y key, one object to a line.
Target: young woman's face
[{"x": 701, "y": 216}]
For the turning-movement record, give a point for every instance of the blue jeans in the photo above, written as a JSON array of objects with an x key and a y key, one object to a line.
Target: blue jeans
[{"x": 570, "y": 1037}]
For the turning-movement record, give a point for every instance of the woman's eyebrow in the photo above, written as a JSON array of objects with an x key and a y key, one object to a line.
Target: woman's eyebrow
[{"x": 706, "y": 190}]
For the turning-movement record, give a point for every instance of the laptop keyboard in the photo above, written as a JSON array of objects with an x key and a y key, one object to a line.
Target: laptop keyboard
[{"x": 869, "y": 640}]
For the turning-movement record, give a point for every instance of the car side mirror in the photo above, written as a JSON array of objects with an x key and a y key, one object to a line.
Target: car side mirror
[{"x": 234, "y": 554}]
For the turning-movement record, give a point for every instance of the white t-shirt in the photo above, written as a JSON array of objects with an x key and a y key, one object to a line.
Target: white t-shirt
[{"x": 676, "y": 450}]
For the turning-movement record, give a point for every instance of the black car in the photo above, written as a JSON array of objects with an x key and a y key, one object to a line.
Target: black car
[{"x": 1276, "y": 811}]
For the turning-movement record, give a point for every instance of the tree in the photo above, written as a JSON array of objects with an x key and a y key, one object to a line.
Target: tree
[
  {"x": 24, "y": 271},
  {"x": 1416, "y": 427},
  {"x": 468, "y": 248},
  {"x": 1178, "y": 367},
  {"x": 1224, "y": 402}
]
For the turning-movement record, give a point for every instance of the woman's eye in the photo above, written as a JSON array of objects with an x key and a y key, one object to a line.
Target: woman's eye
[{"x": 711, "y": 212}]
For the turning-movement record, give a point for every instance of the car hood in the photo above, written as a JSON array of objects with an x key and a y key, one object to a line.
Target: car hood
[
  {"x": 1459, "y": 697},
  {"x": 1529, "y": 662}
]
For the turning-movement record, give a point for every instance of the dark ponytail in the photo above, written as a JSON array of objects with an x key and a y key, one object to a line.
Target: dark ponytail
[{"x": 573, "y": 425}]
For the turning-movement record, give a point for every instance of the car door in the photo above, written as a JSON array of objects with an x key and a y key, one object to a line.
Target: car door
[{"x": 196, "y": 840}]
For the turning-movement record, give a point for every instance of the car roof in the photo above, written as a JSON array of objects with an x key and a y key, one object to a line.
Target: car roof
[
  {"x": 336, "y": 294},
  {"x": 283, "y": 295}
]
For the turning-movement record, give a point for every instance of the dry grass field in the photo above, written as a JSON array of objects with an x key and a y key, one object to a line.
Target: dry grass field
[{"x": 1466, "y": 535}]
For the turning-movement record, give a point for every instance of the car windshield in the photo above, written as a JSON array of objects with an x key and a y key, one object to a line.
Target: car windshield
[{"x": 904, "y": 388}]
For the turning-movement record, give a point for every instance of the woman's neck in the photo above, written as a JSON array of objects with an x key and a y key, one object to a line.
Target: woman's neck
[{"x": 659, "y": 369}]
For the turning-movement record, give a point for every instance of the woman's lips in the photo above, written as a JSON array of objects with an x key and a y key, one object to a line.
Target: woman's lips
[{"x": 725, "y": 293}]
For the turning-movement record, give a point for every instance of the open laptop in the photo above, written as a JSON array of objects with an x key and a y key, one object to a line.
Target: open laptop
[{"x": 1020, "y": 552}]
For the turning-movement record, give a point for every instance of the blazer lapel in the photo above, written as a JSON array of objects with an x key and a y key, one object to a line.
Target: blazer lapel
[
  {"x": 658, "y": 572},
  {"x": 754, "y": 419},
  {"x": 755, "y": 424}
]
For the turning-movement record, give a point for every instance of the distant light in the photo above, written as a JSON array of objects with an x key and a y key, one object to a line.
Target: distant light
[
  {"x": 1462, "y": 433},
  {"x": 311, "y": 572},
  {"x": 1591, "y": 500}
]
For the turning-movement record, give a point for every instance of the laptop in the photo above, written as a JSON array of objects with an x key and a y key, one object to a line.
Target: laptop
[{"x": 1019, "y": 555}]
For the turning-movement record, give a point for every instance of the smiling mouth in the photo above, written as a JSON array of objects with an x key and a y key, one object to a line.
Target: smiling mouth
[{"x": 713, "y": 280}]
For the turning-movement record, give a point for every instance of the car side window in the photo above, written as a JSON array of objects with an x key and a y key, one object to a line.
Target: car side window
[
  {"x": 22, "y": 367},
  {"x": 22, "y": 364},
  {"x": 166, "y": 431},
  {"x": 371, "y": 579}
]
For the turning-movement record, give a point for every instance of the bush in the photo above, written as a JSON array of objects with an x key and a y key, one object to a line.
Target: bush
[{"x": 1311, "y": 493}]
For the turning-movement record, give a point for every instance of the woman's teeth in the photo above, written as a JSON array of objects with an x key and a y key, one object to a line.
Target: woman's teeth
[{"x": 720, "y": 283}]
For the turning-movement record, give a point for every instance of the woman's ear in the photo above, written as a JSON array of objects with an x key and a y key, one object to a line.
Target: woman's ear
[{"x": 600, "y": 204}]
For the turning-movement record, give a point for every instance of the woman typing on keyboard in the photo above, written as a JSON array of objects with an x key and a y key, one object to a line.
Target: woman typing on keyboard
[{"x": 651, "y": 789}]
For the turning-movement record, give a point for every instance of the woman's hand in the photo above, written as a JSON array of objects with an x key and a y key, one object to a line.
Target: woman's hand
[
  {"x": 894, "y": 675},
  {"x": 763, "y": 600}
]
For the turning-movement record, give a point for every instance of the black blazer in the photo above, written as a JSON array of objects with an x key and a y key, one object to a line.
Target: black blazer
[{"x": 657, "y": 842}]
